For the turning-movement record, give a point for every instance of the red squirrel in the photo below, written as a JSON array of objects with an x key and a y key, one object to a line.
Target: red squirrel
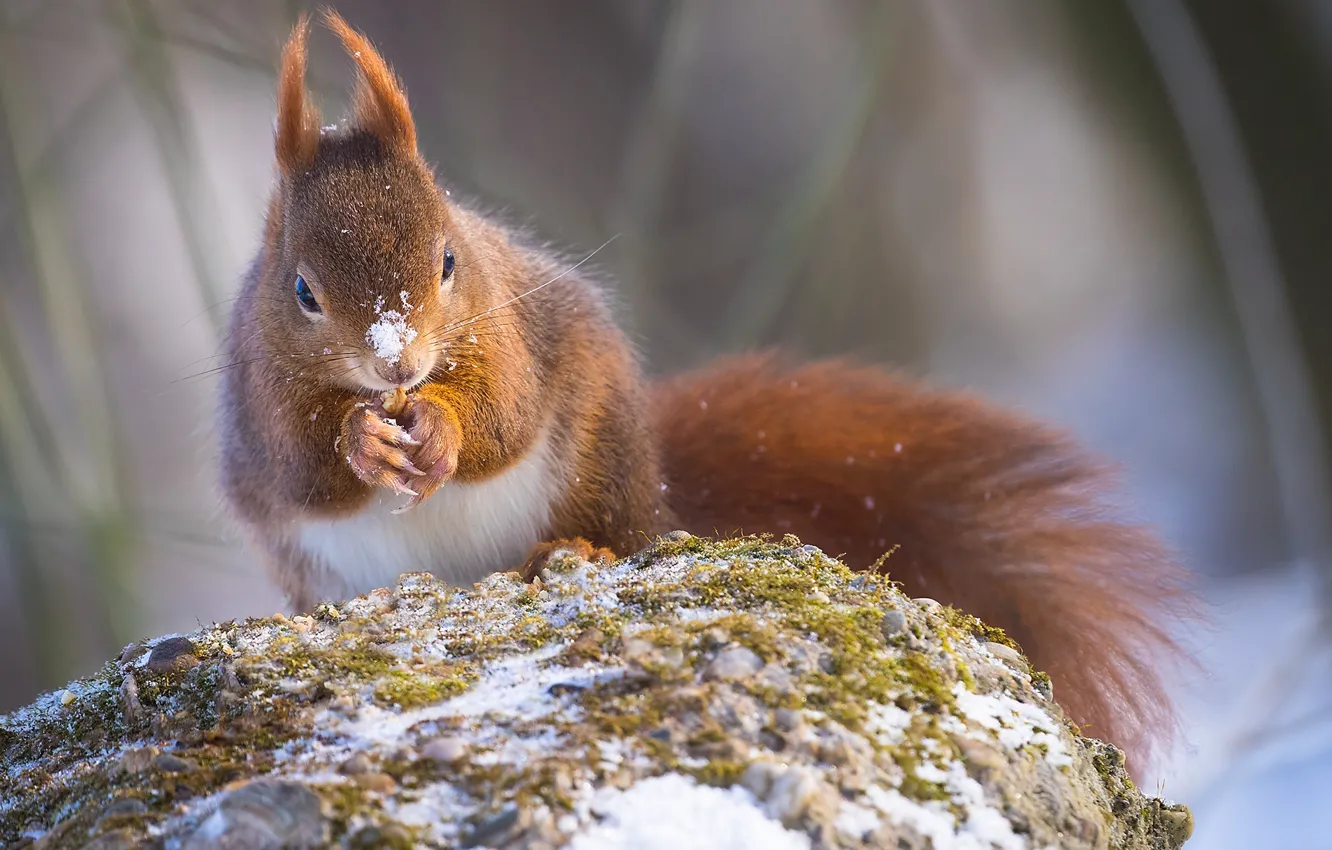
[{"x": 393, "y": 348}]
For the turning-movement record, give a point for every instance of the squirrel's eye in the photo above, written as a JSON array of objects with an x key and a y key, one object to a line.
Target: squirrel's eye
[
  {"x": 448, "y": 264},
  {"x": 306, "y": 297}
]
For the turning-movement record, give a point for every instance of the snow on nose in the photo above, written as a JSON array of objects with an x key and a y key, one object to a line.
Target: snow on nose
[{"x": 390, "y": 334}]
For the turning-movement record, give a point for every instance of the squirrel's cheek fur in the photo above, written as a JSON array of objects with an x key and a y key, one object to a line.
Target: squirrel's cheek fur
[{"x": 542, "y": 427}]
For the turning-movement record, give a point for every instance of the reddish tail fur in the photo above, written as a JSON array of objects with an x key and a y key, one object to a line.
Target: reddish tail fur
[{"x": 994, "y": 514}]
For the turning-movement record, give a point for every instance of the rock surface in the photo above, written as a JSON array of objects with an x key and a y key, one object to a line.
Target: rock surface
[{"x": 701, "y": 694}]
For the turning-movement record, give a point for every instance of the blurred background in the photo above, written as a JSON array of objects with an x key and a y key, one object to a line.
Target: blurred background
[{"x": 1110, "y": 213}]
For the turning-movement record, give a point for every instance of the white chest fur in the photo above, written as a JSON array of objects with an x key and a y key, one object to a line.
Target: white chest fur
[{"x": 462, "y": 533}]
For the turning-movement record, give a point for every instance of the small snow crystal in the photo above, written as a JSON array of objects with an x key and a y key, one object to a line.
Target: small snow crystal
[
  {"x": 391, "y": 333},
  {"x": 673, "y": 811}
]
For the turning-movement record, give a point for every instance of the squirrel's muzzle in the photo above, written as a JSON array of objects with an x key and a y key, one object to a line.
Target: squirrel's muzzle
[{"x": 405, "y": 371}]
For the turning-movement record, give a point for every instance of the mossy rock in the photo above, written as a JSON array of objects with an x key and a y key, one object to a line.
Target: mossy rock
[{"x": 699, "y": 689}]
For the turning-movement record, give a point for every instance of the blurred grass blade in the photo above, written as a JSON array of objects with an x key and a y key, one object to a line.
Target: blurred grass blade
[
  {"x": 193, "y": 201},
  {"x": 1243, "y": 240},
  {"x": 74, "y": 407},
  {"x": 773, "y": 273},
  {"x": 647, "y": 160}
]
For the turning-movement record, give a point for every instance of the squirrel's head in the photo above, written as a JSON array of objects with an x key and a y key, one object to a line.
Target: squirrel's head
[{"x": 364, "y": 260}]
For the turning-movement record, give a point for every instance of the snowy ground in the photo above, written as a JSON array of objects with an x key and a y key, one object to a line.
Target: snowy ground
[{"x": 1258, "y": 769}]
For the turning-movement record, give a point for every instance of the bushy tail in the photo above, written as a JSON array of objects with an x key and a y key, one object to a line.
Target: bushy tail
[{"x": 994, "y": 514}]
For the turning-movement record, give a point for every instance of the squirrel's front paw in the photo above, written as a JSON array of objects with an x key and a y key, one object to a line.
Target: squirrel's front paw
[
  {"x": 377, "y": 449},
  {"x": 437, "y": 437}
]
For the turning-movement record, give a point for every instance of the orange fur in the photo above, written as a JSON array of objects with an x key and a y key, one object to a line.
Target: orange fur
[
  {"x": 995, "y": 514},
  {"x": 380, "y": 103},
  {"x": 297, "y": 120}
]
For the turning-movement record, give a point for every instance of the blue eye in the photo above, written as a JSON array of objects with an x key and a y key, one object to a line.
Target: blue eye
[
  {"x": 448, "y": 264},
  {"x": 306, "y": 297}
]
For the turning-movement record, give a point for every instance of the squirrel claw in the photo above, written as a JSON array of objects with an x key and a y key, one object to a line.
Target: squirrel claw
[
  {"x": 416, "y": 499},
  {"x": 411, "y": 469},
  {"x": 398, "y": 487}
]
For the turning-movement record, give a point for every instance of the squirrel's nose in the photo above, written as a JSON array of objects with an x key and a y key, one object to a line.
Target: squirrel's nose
[{"x": 404, "y": 371}]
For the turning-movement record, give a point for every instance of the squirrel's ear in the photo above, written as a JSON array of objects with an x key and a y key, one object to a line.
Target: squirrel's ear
[
  {"x": 297, "y": 119},
  {"x": 379, "y": 104}
]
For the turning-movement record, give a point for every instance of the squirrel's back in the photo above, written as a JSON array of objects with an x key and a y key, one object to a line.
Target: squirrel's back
[{"x": 997, "y": 515}]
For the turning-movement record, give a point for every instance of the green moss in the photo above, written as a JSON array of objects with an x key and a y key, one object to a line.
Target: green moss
[
  {"x": 621, "y": 710},
  {"x": 913, "y": 787},
  {"x": 720, "y": 772},
  {"x": 353, "y": 659},
  {"x": 60, "y": 733},
  {"x": 409, "y": 689},
  {"x": 744, "y": 629},
  {"x": 968, "y": 624},
  {"x": 963, "y": 671}
]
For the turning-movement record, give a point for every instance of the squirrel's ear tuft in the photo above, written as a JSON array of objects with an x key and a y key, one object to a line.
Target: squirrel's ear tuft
[
  {"x": 297, "y": 119},
  {"x": 380, "y": 104}
]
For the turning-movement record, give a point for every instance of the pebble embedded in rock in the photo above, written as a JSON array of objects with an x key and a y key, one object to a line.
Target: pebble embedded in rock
[
  {"x": 379, "y": 783},
  {"x": 173, "y": 655},
  {"x": 678, "y": 534},
  {"x": 650, "y": 659},
  {"x": 1180, "y": 823},
  {"x": 495, "y": 829},
  {"x": 661, "y": 733},
  {"x": 1008, "y": 655},
  {"x": 263, "y": 815},
  {"x": 788, "y": 719},
  {"x": 130, "y": 705},
  {"x": 786, "y": 791},
  {"x": 759, "y": 776},
  {"x": 129, "y": 653},
  {"x": 792, "y": 794},
  {"x": 358, "y": 763},
  {"x": 637, "y": 649},
  {"x": 445, "y": 750},
  {"x": 893, "y": 623},
  {"x": 389, "y": 835},
  {"x": 981, "y": 758},
  {"x": 121, "y": 807},
  {"x": 774, "y": 675},
  {"x": 138, "y": 759},
  {"x": 169, "y": 763},
  {"x": 586, "y": 647},
  {"x": 1043, "y": 686},
  {"x": 732, "y": 664}
]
